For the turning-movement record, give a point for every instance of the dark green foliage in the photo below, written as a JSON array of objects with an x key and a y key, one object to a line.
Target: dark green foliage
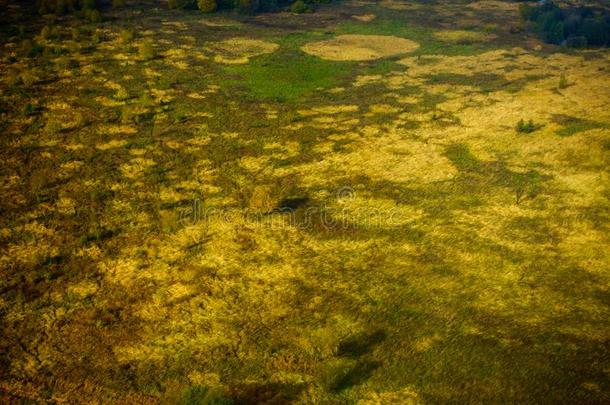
[
  {"x": 248, "y": 6},
  {"x": 268, "y": 5},
  {"x": 563, "y": 81},
  {"x": 577, "y": 42},
  {"x": 60, "y": 7},
  {"x": 226, "y": 4},
  {"x": 299, "y": 7},
  {"x": 575, "y": 27},
  {"x": 182, "y": 4},
  {"x": 526, "y": 127},
  {"x": 31, "y": 48},
  {"x": 597, "y": 30},
  {"x": 206, "y": 6}
]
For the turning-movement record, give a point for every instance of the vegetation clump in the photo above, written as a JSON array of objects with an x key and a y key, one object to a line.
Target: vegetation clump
[
  {"x": 146, "y": 50},
  {"x": 575, "y": 27},
  {"x": 524, "y": 127},
  {"x": 299, "y": 7},
  {"x": 207, "y": 6}
]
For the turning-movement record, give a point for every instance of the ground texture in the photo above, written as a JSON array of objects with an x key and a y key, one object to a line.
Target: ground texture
[{"x": 241, "y": 218}]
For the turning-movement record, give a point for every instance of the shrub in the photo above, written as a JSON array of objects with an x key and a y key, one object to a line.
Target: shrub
[
  {"x": 299, "y": 7},
  {"x": 206, "y": 6},
  {"x": 563, "y": 81},
  {"x": 526, "y": 127},
  {"x": 96, "y": 38},
  {"x": 75, "y": 32},
  {"x": 45, "y": 33},
  {"x": 28, "y": 78},
  {"x": 121, "y": 94},
  {"x": 146, "y": 50},
  {"x": 12, "y": 78},
  {"x": 93, "y": 16},
  {"x": 118, "y": 3},
  {"x": 30, "y": 48},
  {"x": 126, "y": 36},
  {"x": 74, "y": 47}
]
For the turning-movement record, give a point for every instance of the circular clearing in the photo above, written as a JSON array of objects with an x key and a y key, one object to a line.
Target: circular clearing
[
  {"x": 360, "y": 47},
  {"x": 240, "y": 50}
]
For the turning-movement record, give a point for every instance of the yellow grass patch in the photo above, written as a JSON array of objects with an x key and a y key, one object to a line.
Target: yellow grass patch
[
  {"x": 240, "y": 50},
  {"x": 364, "y": 17},
  {"x": 117, "y": 129},
  {"x": 115, "y": 143},
  {"x": 329, "y": 109},
  {"x": 462, "y": 36},
  {"x": 360, "y": 47},
  {"x": 220, "y": 22}
]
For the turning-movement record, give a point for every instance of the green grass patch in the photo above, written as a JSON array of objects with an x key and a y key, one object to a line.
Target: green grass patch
[
  {"x": 573, "y": 125},
  {"x": 287, "y": 75}
]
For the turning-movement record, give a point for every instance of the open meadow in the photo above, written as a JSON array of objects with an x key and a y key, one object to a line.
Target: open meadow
[{"x": 373, "y": 203}]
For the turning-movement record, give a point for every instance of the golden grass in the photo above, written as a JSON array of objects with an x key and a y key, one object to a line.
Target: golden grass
[
  {"x": 240, "y": 50},
  {"x": 360, "y": 47},
  {"x": 463, "y": 37},
  {"x": 364, "y": 17}
]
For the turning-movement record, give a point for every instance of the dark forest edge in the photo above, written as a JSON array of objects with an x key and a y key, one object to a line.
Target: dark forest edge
[{"x": 575, "y": 27}]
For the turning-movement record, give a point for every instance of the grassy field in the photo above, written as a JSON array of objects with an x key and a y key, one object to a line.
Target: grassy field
[{"x": 186, "y": 217}]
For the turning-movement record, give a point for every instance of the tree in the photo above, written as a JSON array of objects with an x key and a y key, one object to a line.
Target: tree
[{"x": 207, "y": 6}]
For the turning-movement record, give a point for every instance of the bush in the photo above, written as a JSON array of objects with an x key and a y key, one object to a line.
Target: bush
[
  {"x": 93, "y": 16},
  {"x": 96, "y": 38},
  {"x": 28, "y": 78},
  {"x": 526, "y": 127},
  {"x": 146, "y": 50},
  {"x": 126, "y": 36},
  {"x": 12, "y": 78},
  {"x": 118, "y": 3},
  {"x": 75, "y": 33},
  {"x": 45, "y": 33},
  {"x": 299, "y": 7},
  {"x": 206, "y": 6},
  {"x": 30, "y": 48},
  {"x": 563, "y": 81},
  {"x": 122, "y": 94}
]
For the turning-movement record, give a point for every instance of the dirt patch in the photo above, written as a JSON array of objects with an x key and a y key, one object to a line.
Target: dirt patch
[
  {"x": 240, "y": 50},
  {"x": 360, "y": 47},
  {"x": 463, "y": 36}
]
